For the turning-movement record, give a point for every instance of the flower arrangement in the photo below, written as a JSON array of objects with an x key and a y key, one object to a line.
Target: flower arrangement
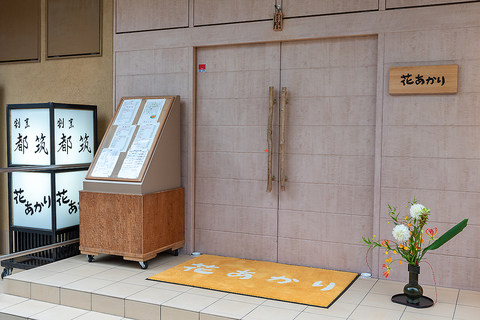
[{"x": 409, "y": 236}]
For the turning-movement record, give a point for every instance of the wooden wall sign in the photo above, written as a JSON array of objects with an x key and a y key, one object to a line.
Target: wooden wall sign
[
  {"x": 423, "y": 79},
  {"x": 278, "y": 19}
]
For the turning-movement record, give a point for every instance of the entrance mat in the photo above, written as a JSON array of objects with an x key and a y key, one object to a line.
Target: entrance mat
[{"x": 310, "y": 286}]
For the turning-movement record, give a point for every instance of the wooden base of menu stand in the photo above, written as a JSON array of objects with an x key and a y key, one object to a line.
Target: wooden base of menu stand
[{"x": 137, "y": 227}]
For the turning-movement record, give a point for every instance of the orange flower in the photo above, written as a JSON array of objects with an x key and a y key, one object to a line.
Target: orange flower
[
  {"x": 387, "y": 272},
  {"x": 385, "y": 243},
  {"x": 431, "y": 233},
  {"x": 389, "y": 260},
  {"x": 400, "y": 261}
]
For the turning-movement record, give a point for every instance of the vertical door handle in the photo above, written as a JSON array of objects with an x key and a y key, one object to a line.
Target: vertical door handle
[
  {"x": 283, "y": 115},
  {"x": 271, "y": 102}
]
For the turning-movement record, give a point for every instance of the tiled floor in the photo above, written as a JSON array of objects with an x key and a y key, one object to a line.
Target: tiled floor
[{"x": 112, "y": 288}]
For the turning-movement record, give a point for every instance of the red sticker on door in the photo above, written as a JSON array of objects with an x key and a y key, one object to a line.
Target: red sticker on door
[{"x": 202, "y": 67}]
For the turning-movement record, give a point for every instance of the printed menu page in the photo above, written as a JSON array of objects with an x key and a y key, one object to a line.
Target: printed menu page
[
  {"x": 133, "y": 164},
  {"x": 127, "y": 112},
  {"x": 106, "y": 163}
]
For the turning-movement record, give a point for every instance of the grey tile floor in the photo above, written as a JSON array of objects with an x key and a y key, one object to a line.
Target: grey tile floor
[{"x": 112, "y": 288}]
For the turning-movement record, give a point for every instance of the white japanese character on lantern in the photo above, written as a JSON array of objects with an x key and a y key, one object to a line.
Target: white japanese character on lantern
[
  {"x": 285, "y": 279},
  {"x": 246, "y": 274},
  {"x": 319, "y": 284},
  {"x": 201, "y": 268}
]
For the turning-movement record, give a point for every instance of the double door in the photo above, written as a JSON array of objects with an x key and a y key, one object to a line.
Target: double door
[{"x": 321, "y": 198}]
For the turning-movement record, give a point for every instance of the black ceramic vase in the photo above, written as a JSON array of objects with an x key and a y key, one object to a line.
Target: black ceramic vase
[{"x": 412, "y": 289}]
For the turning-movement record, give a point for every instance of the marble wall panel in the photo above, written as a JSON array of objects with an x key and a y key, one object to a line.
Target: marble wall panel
[
  {"x": 142, "y": 15},
  {"x": 431, "y": 174},
  {"x": 320, "y": 226},
  {"x": 331, "y": 140},
  {"x": 247, "y": 57},
  {"x": 134, "y": 85},
  {"x": 240, "y": 245},
  {"x": 332, "y": 111},
  {"x": 329, "y": 53},
  {"x": 428, "y": 46},
  {"x": 447, "y": 206},
  {"x": 427, "y": 110},
  {"x": 295, "y": 8},
  {"x": 235, "y": 85},
  {"x": 329, "y": 255},
  {"x": 343, "y": 199},
  {"x": 134, "y": 62},
  {"x": 392, "y": 4},
  {"x": 171, "y": 60},
  {"x": 324, "y": 81},
  {"x": 457, "y": 142},
  {"x": 231, "y": 165},
  {"x": 430, "y": 149},
  {"x": 248, "y": 193},
  {"x": 231, "y": 138},
  {"x": 246, "y": 220},
  {"x": 231, "y": 112},
  {"x": 208, "y": 12},
  {"x": 170, "y": 84},
  {"x": 330, "y": 169}
]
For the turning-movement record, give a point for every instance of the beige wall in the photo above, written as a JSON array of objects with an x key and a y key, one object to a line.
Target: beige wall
[
  {"x": 75, "y": 80},
  {"x": 425, "y": 146}
]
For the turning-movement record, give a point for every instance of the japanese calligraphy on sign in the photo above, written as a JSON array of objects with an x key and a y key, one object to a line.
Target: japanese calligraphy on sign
[
  {"x": 34, "y": 139},
  {"x": 30, "y": 136},
  {"x": 423, "y": 79},
  {"x": 74, "y": 136},
  {"x": 32, "y": 203}
]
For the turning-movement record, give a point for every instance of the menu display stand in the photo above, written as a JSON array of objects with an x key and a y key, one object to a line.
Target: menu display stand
[{"x": 132, "y": 202}]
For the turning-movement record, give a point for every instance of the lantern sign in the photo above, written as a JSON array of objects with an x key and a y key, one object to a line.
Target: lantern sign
[
  {"x": 45, "y": 134},
  {"x": 51, "y": 134},
  {"x": 51, "y": 146},
  {"x": 38, "y": 199}
]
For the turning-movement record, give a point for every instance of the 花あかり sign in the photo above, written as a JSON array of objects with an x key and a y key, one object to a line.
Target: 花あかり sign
[{"x": 423, "y": 79}]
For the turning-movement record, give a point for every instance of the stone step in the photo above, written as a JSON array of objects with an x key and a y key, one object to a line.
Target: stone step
[{"x": 15, "y": 307}]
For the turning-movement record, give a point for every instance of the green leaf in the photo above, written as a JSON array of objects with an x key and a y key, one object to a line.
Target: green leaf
[{"x": 446, "y": 236}]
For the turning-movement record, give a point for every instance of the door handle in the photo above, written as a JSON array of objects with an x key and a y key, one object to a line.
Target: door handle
[
  {"x": 283, "y": 115},
  {"x": 271, "y": 102}
]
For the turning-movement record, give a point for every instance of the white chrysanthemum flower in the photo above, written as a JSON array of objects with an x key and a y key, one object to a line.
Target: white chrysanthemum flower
[
  {"x": 401, "y": 233},
  {"x": 416, "y": 211}
]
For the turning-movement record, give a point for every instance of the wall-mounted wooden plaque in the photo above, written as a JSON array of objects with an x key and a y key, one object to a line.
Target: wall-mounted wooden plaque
[{"x": 423, "y": 79}]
